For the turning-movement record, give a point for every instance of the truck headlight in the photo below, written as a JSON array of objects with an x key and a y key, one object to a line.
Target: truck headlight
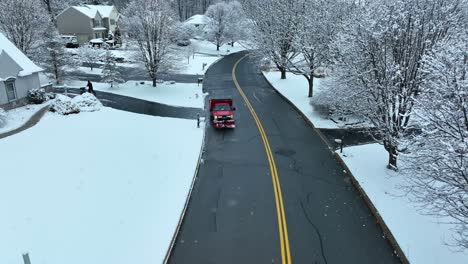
[
  {"x": 231, "y": 117},
  {"x": 215, "y": 117}
]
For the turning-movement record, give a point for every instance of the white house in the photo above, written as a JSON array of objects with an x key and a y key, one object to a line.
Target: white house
[
  {"x": 18, "y": 74},
  {"x": 197, "y": 21}
]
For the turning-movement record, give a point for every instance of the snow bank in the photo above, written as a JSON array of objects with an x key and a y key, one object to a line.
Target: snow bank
[
  {"x": 113, "y": 194},
  {"x": 64, "y": 105},
  {"x": 421, "y": 237},
  {"x": 296, "y": 89},
  {"x": 177, "y": 94}
]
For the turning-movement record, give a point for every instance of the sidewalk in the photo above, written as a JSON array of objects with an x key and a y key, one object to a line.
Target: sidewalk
[{"x": 30, "y": 123}]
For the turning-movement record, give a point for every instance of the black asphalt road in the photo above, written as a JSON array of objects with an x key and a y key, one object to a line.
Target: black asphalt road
[
  {"x": 232, "y": 216},
  {"x": 139, "y": 106}
]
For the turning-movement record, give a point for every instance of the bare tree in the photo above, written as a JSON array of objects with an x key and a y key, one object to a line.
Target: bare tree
[
  {"x": 149, "y": 23},
  {"x": 110, "y": 73},
  {"x": 23, "y": 22}
]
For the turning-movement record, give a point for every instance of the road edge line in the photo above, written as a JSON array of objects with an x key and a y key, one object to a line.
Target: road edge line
[
  {"x": 187, "y": 201},
  {"x": 388, "y": 234}
]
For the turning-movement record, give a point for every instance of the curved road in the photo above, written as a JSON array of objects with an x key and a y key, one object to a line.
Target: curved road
[{"x": 233, "y": 214}]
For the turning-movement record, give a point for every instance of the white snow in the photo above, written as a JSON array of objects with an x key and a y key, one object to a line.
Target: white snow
[
  {"x": 90, "y": 12},
  {"x": 87, "y": 70},
  {"x": 194, "y": 64},
  {"x": 178, "y": 94},
  {"x": 197, "y": 20},
  {"x": 100, "y": 187},
  {"x": 19, "y": 116},
  {"x": 295, "y": 88},
  {"x": 7, "y": 47},
  {"x": 208, "y": 48},
  {"x": 421, "y": 237},
  {"x": 104, "y": 10}
]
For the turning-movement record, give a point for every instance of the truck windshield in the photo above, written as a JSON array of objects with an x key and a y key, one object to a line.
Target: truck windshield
[{"x": 222, "y": 107}]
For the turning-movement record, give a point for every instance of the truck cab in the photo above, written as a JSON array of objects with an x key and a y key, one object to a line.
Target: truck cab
[{"x": 222, "y": 113}]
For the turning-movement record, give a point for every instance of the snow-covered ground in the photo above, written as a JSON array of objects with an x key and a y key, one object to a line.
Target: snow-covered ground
[
  {"x": 208, "y": 48},
  {"x": 194, "y": 64},
  {"x": 421, "y": 237},
  {"x": 295, "y": 88},
  {"x": 99, "y": 187},
  {"x": 87, "y": 70},
  {"x": 178, "y": 94},
  {"x": 19, "y": 116}
]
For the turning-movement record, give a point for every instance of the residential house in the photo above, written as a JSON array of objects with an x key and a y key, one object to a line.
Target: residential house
[
  {"x": 88, "y": 22},
  {"x": 18, "y": 75},
  {"x": 198, "y": 22}
]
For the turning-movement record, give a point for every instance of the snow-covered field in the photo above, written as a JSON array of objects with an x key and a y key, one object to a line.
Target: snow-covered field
[
  {"x": 194, "y": 64},
  {"x": 19, "y": 116},
  {"x": 295, "y": 88},
  {"x": 99, "y": 187},
  {"x": 208, "y": 48},
  {"x": 178, "y": 94},
  {"x": 421, "y": 237}
]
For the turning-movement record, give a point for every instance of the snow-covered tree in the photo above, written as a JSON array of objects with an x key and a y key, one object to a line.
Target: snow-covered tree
[
  {"x": 23, "y": 22},
  {"x": 315, "y": 31},
  {"x": 53, "y": 7},
  {"x": 89, "y": 56},
  {"x": 380, "y": 65},
  {"x": 224, "y": 21},
  {"x": 110, "y": 73},
  {"x": 275, "y": 29},
  {"x": 437, "y": 163},
  {"x": 149, "y": 23}
]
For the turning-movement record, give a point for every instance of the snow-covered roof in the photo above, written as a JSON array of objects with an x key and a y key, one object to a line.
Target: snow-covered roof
[
  {"x": 90, "y": 12},
  {"x": 28, "y": 67},
  {"x": 104, "y": 10},
  {"x": 197, "y": 20}
]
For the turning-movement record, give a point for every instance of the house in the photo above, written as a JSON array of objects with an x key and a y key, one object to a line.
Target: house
[
  {"x": 198, "y": 22},
  {"x": 88, "y": 22},
  {"x": 18, "y": 75}
]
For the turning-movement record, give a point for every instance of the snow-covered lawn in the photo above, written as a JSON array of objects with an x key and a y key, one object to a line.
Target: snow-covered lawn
[
  {"x": 19, "y": 116},
  {"x": 99, "y": 187},
  {"x": 421, "y": 237},
  {"x": 178, "y": 94},
  {"x": 296, "y": 88},
  {"x": 207, "y": 47},
  {"x": 87, "y": 70},
  {"x": 194, "y": 64}
]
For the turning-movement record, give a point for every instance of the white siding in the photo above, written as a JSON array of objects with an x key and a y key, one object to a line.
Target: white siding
[
  {"x": 22, "y": 86},
  {"x": 3, "y": 96}
]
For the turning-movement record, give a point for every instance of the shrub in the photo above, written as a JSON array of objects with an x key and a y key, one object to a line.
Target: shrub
[
  {"x": 64, "y": 105},
  {"x": 3, "y": 117},
  {"x": 39, "y": 96},
  {"x": 87, "y": 102}
]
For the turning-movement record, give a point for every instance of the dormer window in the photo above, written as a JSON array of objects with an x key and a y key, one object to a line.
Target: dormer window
[{"x": 97, "y": 22}]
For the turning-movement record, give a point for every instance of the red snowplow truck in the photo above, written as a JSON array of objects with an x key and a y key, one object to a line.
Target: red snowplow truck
[{"x": 222, "y": 113}]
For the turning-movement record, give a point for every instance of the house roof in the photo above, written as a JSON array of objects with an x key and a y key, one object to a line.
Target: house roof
[
  {"x": 28, "y": 67},
  {"x": 90, "y": 12},
  {"x": 197, "y": 20},
  {"x": 104, "y": 10}
]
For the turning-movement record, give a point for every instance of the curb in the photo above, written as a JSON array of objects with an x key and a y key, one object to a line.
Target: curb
[
  {"x": 187, "y": 201},
  {"x": 388, "y": 234}
]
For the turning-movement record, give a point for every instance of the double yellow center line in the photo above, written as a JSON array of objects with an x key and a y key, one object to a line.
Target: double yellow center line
[{"x": 283, "y": 230}]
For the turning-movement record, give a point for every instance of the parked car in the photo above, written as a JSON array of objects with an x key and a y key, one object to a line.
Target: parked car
[
  {"x": 70, "y": 41},
  {"x": 98, "y": 42},
  {"x": 183, "y": 42}
]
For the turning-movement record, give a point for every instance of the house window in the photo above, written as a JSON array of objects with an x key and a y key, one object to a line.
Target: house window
[
  {"x": 112, "y": 21},
  {"x": 97, "y": 23},
  {"x": 10, "y": 90},
  {"x": 97, "y": 35}
]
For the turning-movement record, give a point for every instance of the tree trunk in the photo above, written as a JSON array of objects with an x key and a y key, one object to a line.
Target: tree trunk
[
  {"x": 392, "y": 157},
  {"x": 232, "y": 44},
  {"x": 310, "y": 80},
  {"x": 154, "y": 82},
  {"x": 283, "y": 73},
  {"x": 217, "y": 46}
]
